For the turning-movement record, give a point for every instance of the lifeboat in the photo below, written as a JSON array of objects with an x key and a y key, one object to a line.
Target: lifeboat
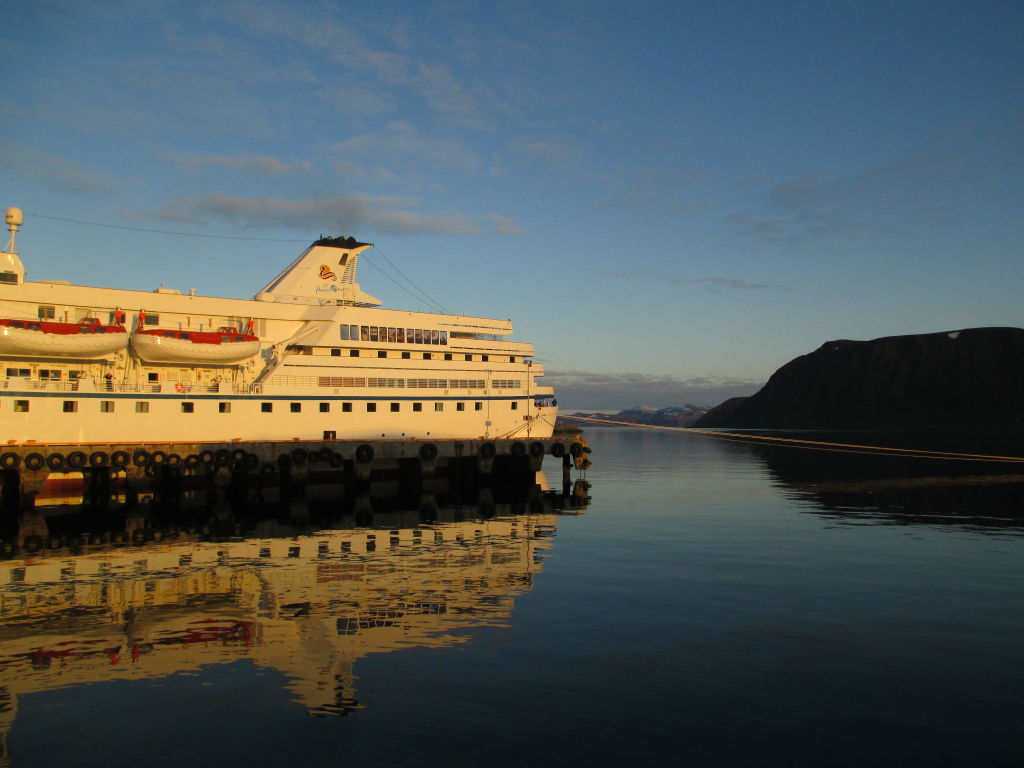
[
  {"x": 226, "y": 345},
  {"x": 40, "y": 338}
]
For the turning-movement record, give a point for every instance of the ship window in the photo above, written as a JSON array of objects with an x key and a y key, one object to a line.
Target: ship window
[
  {"x": 460, "y": 406},
  {"x": 353, "y": 353},
  {"x": 188, "y": 407},
  {"x": 515, "y": 406},
  {"x": 325, "y": 407},
  {"x": 70, "y": 406},
  {"x": 417, "y": 407},
  {"x": 435, "y": 337},
  {"x": 33, "y": 326},
  {"x": 444, "y": 337},
  {"x": 343, "y": 331},
  {"x": 395, "y": 408},
  {"x": 266, "y": 407},
  {"x": 426, "y": 355},
  {"x": 447, "y": 355},
  {"x": 418, "y": 337},
  {"x": 8, "y": 277},
  {"x": 392, "y": 335},
  {"x": 512, "y": 358},
  {"x": 222, "y": 338},
  {"x": 335, "y": 352},
  {"x": 381, "y": 353},
  {"x": 21, "y": 406},
  {"x": 223, "y": 407},
  {"x": 371, "y": 407},
  {"x": 364, "y": 333},
  {"x": 410, "y": 336},
  {"x": 469, "y": 358},
  {"x": 484, "y": 358},
  {"x": 400, "y": 335},
  {"x": 152, "y": 378},
  {"x": 346, "y": 407},
  {"x": 106, "y": 406},
  {"x": 374, "y": 333},
  {"x": 151, "y": 320},
  {"x": 22, "y": 372},
  {"x": 295, "y": 407},
  {"x": 49, "y": 375},
  {"x": 438, "y": 406},
  {"x": 329, "y": 434},
  {"x": 46, "y": 312},
  {"x": 406, "y": 355},
  {"x": 142, "y": 407},
  {"x": 478, "y": 406}
]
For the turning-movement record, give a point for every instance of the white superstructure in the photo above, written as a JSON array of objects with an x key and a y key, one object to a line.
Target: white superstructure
[{"x": 311, "y": 357}]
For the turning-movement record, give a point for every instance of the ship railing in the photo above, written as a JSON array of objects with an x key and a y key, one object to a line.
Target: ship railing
[{"x": 19, "y": 383}]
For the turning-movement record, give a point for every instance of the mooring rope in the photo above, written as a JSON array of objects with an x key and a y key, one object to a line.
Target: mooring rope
[{"x": 832, "y": 447}]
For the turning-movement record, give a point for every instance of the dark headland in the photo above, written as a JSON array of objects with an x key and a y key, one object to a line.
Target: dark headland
[{"x": 969, "y": 378}]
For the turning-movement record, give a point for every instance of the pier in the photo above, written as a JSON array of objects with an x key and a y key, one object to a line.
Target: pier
[{"x": 98, "y": 468}]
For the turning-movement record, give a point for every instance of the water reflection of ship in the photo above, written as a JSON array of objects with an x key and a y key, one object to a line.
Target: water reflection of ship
[
  {"x": 852, "y": 488},
  {"x": 305, "y": 594}
]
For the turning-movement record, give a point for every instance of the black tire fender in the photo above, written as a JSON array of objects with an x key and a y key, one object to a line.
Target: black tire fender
[
  {"x": 35, "y": 461},
  {"x": 364, "y": 453},
  {"x": 428, "y": 451}
]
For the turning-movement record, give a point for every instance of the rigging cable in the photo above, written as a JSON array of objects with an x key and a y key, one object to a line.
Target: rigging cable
[
  {"x": 420, "y": 290},
  {"x": 161, "y": 231}
]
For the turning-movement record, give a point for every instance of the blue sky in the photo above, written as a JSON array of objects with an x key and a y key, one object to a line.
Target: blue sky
[{"x": 670, "y": 199}]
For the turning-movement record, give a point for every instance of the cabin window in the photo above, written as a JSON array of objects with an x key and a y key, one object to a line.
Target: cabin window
[
  {"x": 512, "y": 358},
  {"x": 400, "y": 335},
  {"x": 418, "y": 336},
  {"x": 325, "y": 407},
  {"x": 8, "y": 277},
  {"x": 484, "y": 358},
  {"x": 395, "y": 408},
  {"x": 151, "y": 320},
  {"x": 106, "y": 406},
  {"x": 335, "y": 352},
  {"x": 329, "y": 434},
  {"x": 438, "y": 406},
  {"x": 426, "y": 355},
  {"x": 70, "y": 406},
  {"x": 364, "y": 333},
  {"x": 295, "y": 407},
  {"x": 346, "y": 407},
  {"x": 381, "y": 353},
  {"x": 515, "y": 406},
  {"x": 19, "y": 372},
  {"x": 478, "y": 406},
  {"x": 188, "y": 407},
  {"x": 223, "y": 407},
  {"x": 371, "y": 407},
  {"x": 47, "y": 312},
  {"x": 353, "y": 353},
  {"x": 392, "y": 335},
  {"x": 460, "y": 406},
  {"x": 417, "y": 407},
  {"x": 374, "y": 333},
  {"x": 406, "y": 355},
  {"x": 21, "y": 406},
  {"x": 142, "y": 407},
  {"x": 46, "y": 374},
  {"x": 152, "y": 378},
  {"x": 469, "y": 358},
  {"x": 447, "y": 355},
  {"x": 266, "y": 407}
]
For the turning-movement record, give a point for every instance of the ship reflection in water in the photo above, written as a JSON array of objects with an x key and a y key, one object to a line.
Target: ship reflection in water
[{"x": 303, "y": 586}]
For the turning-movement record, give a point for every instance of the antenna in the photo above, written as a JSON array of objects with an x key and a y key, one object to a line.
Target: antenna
[{"x": 15, "y": 218}]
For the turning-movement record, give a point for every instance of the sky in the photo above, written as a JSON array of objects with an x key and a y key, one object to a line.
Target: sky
[{"x": 669, "y": 199}]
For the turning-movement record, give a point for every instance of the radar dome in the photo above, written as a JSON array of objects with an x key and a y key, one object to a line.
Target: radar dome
[{"x": 15, "y": 217}]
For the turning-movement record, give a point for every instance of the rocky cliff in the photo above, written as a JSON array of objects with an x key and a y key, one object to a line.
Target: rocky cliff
[{"x": 973, "y": 377}]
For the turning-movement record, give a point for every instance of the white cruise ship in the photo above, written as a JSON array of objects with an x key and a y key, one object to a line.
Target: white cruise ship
[{"x": 310, "y": 357}]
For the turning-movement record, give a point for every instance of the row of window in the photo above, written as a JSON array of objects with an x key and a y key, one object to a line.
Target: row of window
[
  {"x": 348, "y": 381},
  {"x": 142, "y": 406},
  {"x": 392, "y": 335},
  {"x": 383, "y": 354}
]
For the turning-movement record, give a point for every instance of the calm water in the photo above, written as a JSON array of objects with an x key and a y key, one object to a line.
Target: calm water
[{"x": 716, "y": 603}]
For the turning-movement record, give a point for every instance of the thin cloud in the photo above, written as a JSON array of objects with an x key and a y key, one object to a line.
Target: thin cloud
[
  {"x": 551, "y": 154},
  {"x": 400, "y": 145},
  {"x": 348, "y": 213},
  {"x": 503, "y": 225},
  {"x": 655, "y": 190},
  {"x": 264, "y": 164},
  {"x": 55, "y": 172},
  {"x": 713, "y": 284}
]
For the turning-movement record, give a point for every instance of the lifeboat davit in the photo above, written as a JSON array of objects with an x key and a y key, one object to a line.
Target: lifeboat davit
[
  {"x": 85, "y": 339},
  {"x": 226, "y": 345}
]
